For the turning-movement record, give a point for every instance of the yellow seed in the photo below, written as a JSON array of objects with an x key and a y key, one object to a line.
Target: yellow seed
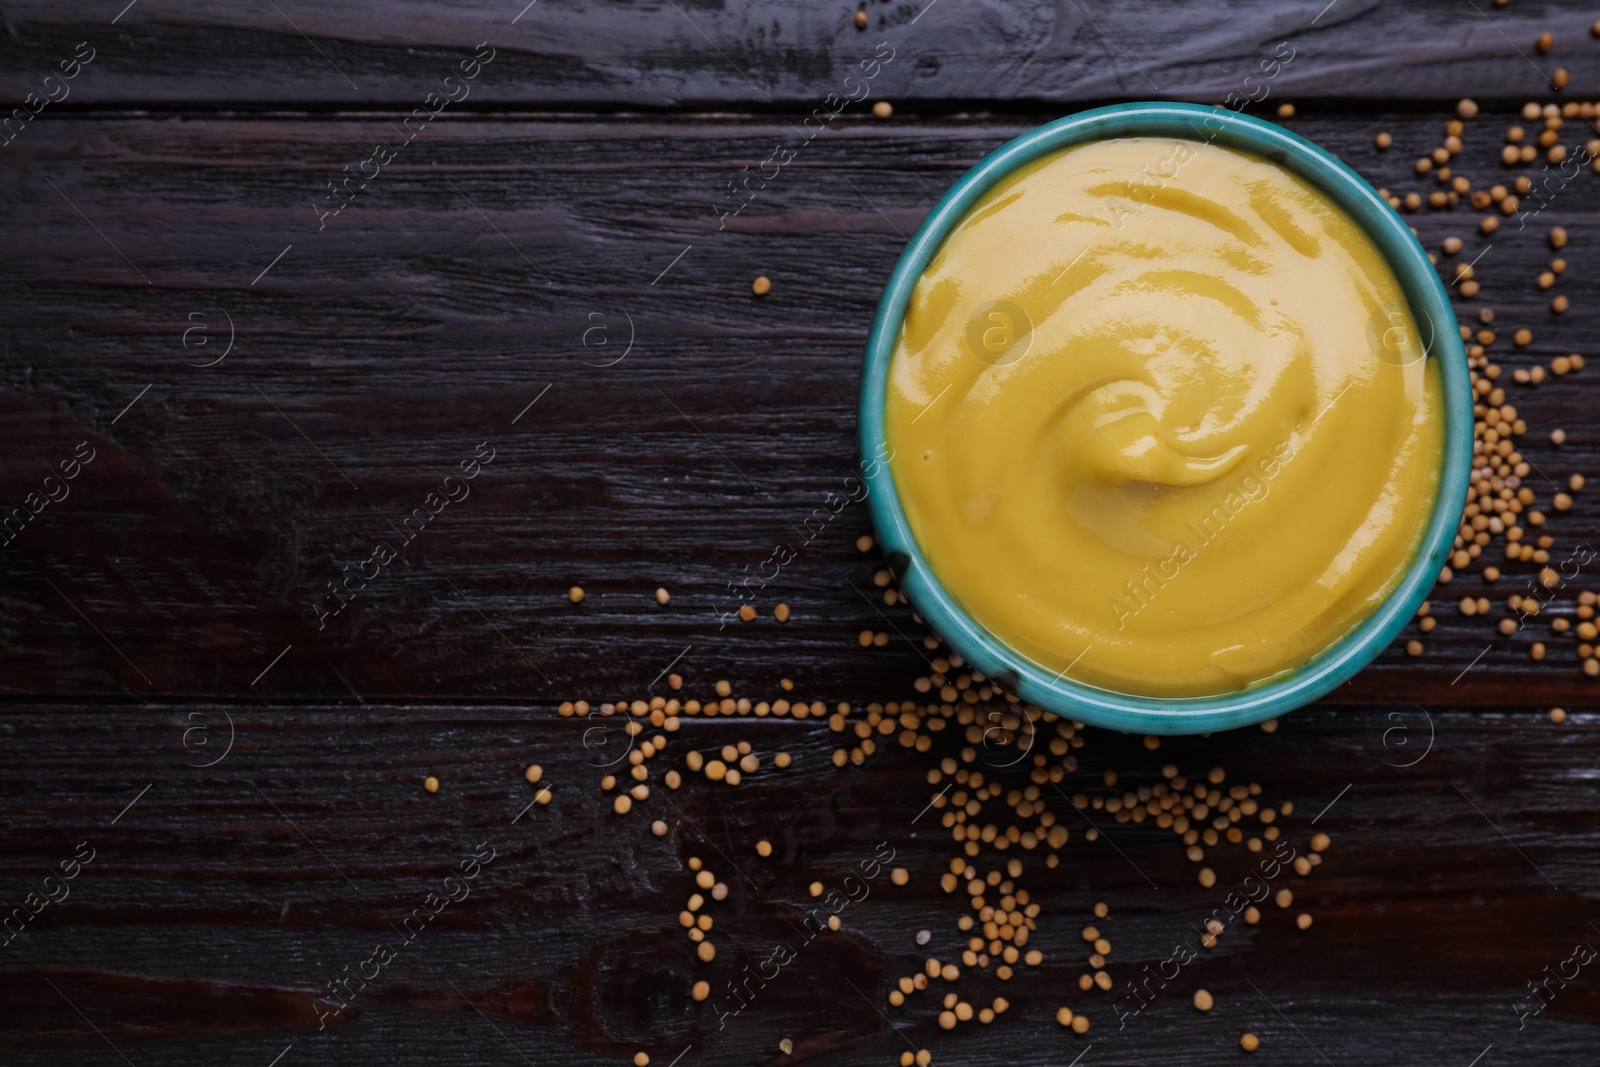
[
  {"x": 623, "y": 804},
  {"x": 534, "y": 773},
  {"x": 707, "y": 952},
  {"x": 899, "y": 876},
  {"x": 1249, "y": 1042},
  {"x": 763, "y": 848},
  {"x": 1303, "y": 921},
  {"x": 641, "y": 1059},
  {"x": 1558, "y": 237},
  {"x": 1467, "y": 109},
  {"x": 1080, "y": 1024},
  {"x": 1286, "y": 111},
  {"x": 1208, "y": 877},
  {"x": 658, "y": 828},
  {"x": 761, "y": 286},
  {"x": 1558, "y": 715},
  {"x": 815, "y": 889},
  {"x": 861, "y": 20},
  {"x": 431, "y": 784},
  {"x": 701, "y": 990},
  {"x": 1064, "y": 1016},
  {"x": 781, "y": 613},
  {"x": 882, "y": 109},
  {"x": 662, "y": 596},
  {"x": 1202, "y": 1000},
  {"x": 1320, "y": 842},
  {"x": 1383, "y": 140}
]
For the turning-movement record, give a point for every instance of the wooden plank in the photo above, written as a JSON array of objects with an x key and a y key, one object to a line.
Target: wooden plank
[
  {"x": 770, "y": 54},
  {"x": 479, "y": 295},
  {"x": 233, "y": 880}
]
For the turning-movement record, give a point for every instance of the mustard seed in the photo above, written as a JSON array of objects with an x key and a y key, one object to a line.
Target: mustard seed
[
  {"x": 1558, "y": 715},
  {"x": 701, "y": 990},
  {"x": 1558, "y": 237},
  {"x": 1249, "y": 1042},
  {"x": 899, "y": 876},
  {"x": 1383, "y": 140},
  {"x": 1558, "y": 305},
  {"x": 1467, "y": 109},
  {"x": 575, "y": 594},
  {"x": 1080, "y": 1024},
  {"x": 623, "y": 804},
  {"x": 1064, "y": 1016},
  {"x": 1303, "y": 921},
  {"x": 431, "y": 784},
  {"x": 1286, "y": 111},
  {"x": 861, "y": 20},
  {"x": 882, "y": 109},
  {"x": 658, "y": 828},
  {"x": 781, "y": 613},
  {"x": 1544, "y": 42},
  {"x": 1202, "y": 1000},
  {"x": 662, "y": 596},
  {"x": 641, "y": 1059},
  {"x": 707, "y": 952}
]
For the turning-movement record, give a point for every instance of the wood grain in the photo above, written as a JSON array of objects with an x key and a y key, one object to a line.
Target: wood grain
[
  {"x": 224, "y": 899},
  {"x": 773, "y": 55},
  {"x": 498, "y": 263}
]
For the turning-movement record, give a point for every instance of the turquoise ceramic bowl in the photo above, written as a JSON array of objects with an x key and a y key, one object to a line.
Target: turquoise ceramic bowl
[{"x": 1430, "y": 306}]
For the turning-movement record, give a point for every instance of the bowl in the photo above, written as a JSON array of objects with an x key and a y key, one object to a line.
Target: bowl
[{"x": 1430, "y": 307}]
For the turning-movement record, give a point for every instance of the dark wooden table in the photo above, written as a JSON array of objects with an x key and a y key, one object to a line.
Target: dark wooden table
[{"x": 272, "y": 375}]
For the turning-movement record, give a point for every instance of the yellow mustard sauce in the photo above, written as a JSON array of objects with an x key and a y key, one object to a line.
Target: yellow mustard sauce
[{"x": 1161, "y": 418}]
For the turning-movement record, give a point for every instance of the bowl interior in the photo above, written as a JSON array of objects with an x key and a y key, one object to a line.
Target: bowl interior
[{"x": 1430, "y": 306}]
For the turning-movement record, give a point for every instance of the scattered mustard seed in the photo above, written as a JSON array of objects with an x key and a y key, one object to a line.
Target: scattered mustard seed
[
  {"x": 534, "y": 773},
  {"x": 1202, "y": 1000},
  {"x": 1249, "y": 1042},
  {"x": 431, "y": 784},
  {"x": 1558, "y": 715},
  {"x": 882, "y": 109},
  {"x": 575, "y": 594},
  {"x": 662, "y": 596},
  {"x": 761, "y": 286},
  {"x": 641, "y": 1059},
  {"x": 861, "y": 20}
]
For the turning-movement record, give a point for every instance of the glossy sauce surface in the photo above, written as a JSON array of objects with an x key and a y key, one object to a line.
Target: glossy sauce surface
[{"x": 1161, "y": 417}]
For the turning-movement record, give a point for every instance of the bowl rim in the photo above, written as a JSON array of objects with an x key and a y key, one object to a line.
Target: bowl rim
[{"x": 1335, "y": 664}]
